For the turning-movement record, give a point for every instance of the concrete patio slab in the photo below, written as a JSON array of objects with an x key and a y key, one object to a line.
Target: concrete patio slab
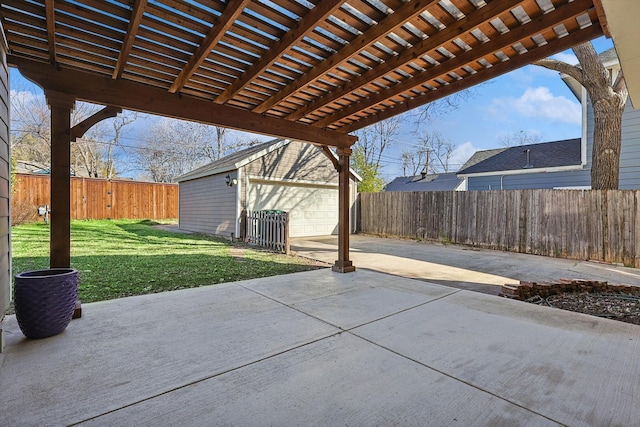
[
  {"x": 341, "y": 380},
  {"x": 288, "y": 351}
]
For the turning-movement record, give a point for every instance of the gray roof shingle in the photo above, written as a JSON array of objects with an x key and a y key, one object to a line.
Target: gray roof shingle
[
  {"x": 480, "y": 156},
  {"x": 435, "y": 182},
  {"x": 544, "y": 155}
]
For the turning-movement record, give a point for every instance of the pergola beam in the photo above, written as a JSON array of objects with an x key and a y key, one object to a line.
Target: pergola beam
[
  {"x": 136, "y": 17},
  {"x": 311, "y": 20},
  {"x": 405, "y": 13},
  {"x": 51, "y": 29},
  {"x": 129, "y": 95},
  {"x": 233, "y": 9},
  {"x": 495, "y": 71},
  {"x": 537, "y": 25}
]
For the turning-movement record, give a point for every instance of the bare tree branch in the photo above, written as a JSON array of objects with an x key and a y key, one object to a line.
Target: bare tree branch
[
  {"x": 562, "y": 67},
  {"x": 620, "y": 85}
]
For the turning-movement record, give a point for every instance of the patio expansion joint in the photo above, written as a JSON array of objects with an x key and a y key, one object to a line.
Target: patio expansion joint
[
  {"x": 207, "y": 378},
  {"x": 403, "y": 310},
  {"x": 342, "y": 329},
  {"x": 292, "y": 307},
  {"x": 351, "y": 332}
]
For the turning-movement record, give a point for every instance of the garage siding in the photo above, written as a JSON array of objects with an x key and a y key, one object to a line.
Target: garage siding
[{"x": 208, "y": 205}]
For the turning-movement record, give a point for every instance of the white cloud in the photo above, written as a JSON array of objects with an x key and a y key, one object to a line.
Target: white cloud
[
  {"x": 540, "y": 103},
  {"x": 461, "y": 154}
]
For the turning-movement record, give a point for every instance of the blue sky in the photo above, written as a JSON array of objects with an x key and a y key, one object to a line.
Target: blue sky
[{"x": 531, "y": 99}]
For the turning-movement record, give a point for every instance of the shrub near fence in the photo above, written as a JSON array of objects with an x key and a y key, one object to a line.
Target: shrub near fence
[
  {"x": 591, "y": 224},
  {"x": 95, "y": 198}
]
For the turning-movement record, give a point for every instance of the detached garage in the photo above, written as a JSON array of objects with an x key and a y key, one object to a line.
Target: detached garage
[{"x": 282, "y": 174}]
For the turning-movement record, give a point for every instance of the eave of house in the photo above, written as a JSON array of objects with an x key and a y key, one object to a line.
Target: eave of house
[
  {"x": 523, "y": 171},
  {"x": 621, "y": 24},
  {"x": 234, "y": 166}
]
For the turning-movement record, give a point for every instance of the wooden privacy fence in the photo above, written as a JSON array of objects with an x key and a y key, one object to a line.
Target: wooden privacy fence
[
  {"x": 268, "y": 229},
  {"x": 591, "y": 224},
  {"x": 94, "y": 198}
]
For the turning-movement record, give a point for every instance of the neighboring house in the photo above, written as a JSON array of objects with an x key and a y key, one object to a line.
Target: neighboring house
[
  {"x": 424, "y": 182},
  {"x": 558, "y": 164},
  {"x": 23, "y": 166},
  {"x": 282, "y": 174}
]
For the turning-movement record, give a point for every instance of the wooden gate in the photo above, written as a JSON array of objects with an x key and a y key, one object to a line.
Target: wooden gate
[{"x": 269, "y": 229}]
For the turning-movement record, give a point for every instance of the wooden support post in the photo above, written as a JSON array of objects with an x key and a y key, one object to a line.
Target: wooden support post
[
  {"x": 343, "y": 264},
  {"x": 60, "y": 235}
]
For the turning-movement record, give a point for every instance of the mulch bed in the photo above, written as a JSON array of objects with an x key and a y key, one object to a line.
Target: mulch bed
[
  {"x": 622, "y": 307},
  {"x": 596, "y": 298}
]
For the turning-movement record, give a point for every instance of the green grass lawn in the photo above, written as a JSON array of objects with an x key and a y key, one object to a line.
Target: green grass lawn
[{"x": 127, "y": 257}]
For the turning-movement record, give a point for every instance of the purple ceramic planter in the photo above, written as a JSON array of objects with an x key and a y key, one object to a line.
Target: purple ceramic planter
[{"x": 45, "y": 300}]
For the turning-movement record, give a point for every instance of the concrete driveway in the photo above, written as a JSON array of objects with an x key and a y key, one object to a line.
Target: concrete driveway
[{"x": 459, "y": 266}]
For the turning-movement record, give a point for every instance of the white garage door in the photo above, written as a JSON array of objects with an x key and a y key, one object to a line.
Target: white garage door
[{"x": 313, "y": 210}]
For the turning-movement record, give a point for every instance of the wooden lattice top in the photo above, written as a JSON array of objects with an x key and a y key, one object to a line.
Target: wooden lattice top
[{"x": 333, "y": 65}]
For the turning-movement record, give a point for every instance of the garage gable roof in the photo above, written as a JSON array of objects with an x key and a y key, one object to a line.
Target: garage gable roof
[
  {"x": 235, "y": 160},
  {"x": 239, "y": 159}
]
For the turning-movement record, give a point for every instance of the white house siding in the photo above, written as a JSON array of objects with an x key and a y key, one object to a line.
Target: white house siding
[
  {"x": 5, "y": 245},
  {"x": 630, "y": 152},
  {"x": 531, "y": 181},
  {"x": 208, "y": 205}
]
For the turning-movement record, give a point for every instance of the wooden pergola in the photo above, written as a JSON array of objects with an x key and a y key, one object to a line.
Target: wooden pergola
[{"x": 312, "y": 70}]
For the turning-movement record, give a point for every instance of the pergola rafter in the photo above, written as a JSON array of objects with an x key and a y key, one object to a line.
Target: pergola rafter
[
  {"x": 132, "y": 31},
  {"x": 316, "y": 63},
  {"x": 318, "y": 14},
  {"x": 51, "y": 29},
  {"x": 414, "y": 53},
  {"x": 500, "y": 68},
  {"x": 519, "y": 34},
  {"x": 406, "y": 13},
  {"x": 233, "y": 9}
]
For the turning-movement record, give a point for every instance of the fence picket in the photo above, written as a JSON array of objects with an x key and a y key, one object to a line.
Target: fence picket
[
  {"x": 95, "y": 198},
  {"x": 579, "y": 224}
]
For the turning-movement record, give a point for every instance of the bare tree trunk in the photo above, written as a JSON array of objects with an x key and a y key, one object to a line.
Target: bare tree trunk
[
  {"x": 608, "y": 99},
  {"x": 607, "y": 141}
]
